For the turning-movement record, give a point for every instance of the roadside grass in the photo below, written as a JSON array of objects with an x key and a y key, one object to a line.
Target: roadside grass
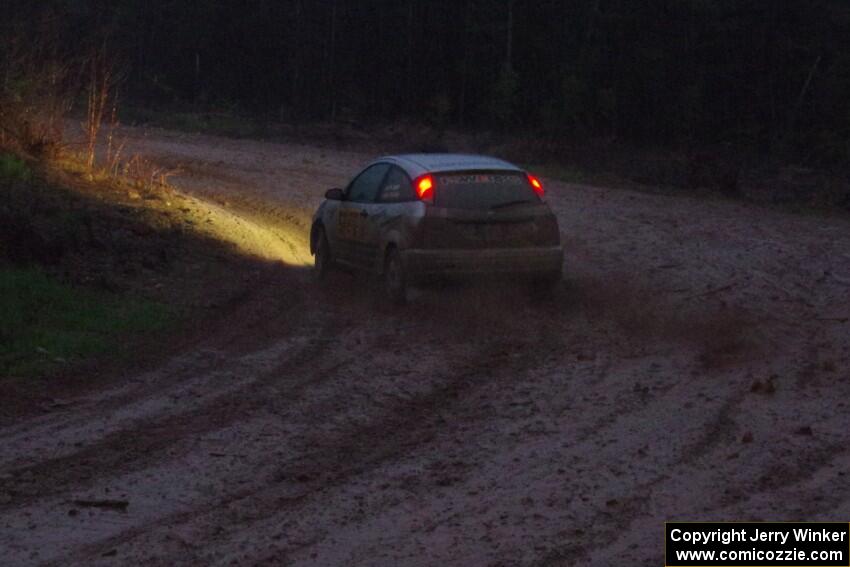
[
  {"x": 103, "y": 268},
  {"x": 578, "y": 175},
  {"x": 45, "y": 323},
  {"x": 224, "y": 123},
  {"x": 92, "y": 270},
  {"x": 560, "y": 172}
]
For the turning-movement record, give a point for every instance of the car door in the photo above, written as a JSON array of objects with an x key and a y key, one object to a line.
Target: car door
[
  {"x": 391, "y": 218},
  {"x": 358, "y": 240}
]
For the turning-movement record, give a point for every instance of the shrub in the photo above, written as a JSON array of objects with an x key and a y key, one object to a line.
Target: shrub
[{"x": 36, "y": 93}]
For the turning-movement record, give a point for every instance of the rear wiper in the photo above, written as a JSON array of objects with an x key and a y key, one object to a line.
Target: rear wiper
[{"x": 509, "y": 204}]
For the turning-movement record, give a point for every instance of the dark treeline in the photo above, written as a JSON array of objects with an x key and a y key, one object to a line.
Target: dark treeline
[{"x": 772, "y": 76}]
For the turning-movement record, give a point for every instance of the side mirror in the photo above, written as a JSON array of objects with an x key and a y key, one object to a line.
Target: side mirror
[{"x": 334, "y": 195}]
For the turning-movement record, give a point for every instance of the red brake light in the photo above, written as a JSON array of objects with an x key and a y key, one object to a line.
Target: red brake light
[
  {"x": 425, "y": 188},
  {"x": 535, "y": 183}
]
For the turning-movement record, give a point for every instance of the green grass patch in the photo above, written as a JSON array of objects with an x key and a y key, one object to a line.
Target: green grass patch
[
  {"x": 228, "y": 124},
  {"x": 45, "y": 323},
  {"x": 13, "y": 168}
]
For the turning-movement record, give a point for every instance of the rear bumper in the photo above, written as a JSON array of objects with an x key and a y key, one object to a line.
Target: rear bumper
[{"x": 538, "y": 261}]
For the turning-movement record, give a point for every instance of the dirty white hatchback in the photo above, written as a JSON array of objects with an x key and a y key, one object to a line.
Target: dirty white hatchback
[{"x": 413, "y": 217}]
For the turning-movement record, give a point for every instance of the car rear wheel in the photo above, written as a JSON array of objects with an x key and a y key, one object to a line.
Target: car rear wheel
[
  {"x": 323, "y": 260},
  {"x": 395, "y": 280},
  {"x": 546, "y": 285}
]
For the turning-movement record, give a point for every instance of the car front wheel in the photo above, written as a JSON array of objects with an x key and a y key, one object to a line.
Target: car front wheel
[{"x": 323, "y": 260}]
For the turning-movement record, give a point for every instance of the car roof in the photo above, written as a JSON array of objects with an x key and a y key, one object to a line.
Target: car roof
[{"x": 419, "y": 164}]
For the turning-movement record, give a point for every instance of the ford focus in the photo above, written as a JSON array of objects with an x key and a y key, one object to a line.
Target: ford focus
[{"x": 409, "y": 218}]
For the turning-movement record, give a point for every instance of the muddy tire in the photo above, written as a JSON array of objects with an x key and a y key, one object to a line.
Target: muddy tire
[
  {"x": 546, "y": 286},
  {"x": 395, "y": 280},
  {"x": 323, "y": 260}
]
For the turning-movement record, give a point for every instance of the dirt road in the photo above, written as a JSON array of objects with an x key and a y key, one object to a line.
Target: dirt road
[{"x": 695, "y": 366}]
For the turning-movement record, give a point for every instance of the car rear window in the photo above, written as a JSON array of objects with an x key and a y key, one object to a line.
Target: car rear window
[{"x": 482, "y": 190}]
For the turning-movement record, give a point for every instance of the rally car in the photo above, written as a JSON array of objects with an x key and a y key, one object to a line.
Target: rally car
[{"x": 413, "y": 217}]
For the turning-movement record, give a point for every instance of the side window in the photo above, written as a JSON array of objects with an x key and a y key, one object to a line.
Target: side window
[
  {"x": 364, "y": 189},
  {"x": 397, "y": 187}
]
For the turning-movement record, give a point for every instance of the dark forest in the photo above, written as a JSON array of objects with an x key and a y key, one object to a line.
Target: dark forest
[{"x": 771, "y": 77}]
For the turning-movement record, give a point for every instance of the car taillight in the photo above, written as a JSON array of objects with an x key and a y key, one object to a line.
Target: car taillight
[
  {"x": 425, "y": 189},
  {"x": 535, "y": 184}
]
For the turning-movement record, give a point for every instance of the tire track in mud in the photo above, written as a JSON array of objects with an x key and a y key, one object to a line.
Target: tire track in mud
[
  {"x": 616, "y": 410},
  {"x": 214, "y": 341},
  {"x": 615, "y": 528},
  {"x": 152, "y": 436},
  {"x": 197, "y": 351},
  {"x": 411, "y": 424},
  {"x": 157, "y": 435},
  {"x": 772, "y": 477},
  {"x": 397, "y": 430},
  {"x": 462, "y": 408},
  {"x": 613, "y": 524},
  {"x": 608, "y": 526},
  {"x": 718, "y": 430}
]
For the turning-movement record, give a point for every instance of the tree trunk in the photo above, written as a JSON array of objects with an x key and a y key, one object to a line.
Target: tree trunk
[
  {"x": 464, "y": 79},
  {"x": 510, "y": 41},
  {"x": 332, "y": 79},
  {"x": 294, "y": 99},
  {"x": 409, "y": 71}
]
